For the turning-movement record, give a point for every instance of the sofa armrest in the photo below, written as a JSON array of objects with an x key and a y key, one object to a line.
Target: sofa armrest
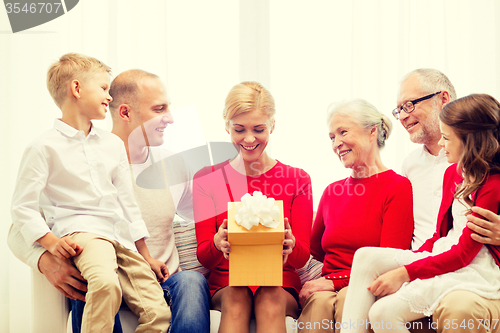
[{"x": 50, "y": 308}]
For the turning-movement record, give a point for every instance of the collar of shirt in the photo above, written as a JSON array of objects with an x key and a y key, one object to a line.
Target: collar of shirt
[
  {"x": 70, "y": 131},
  {"x": 439, "y": 157}
]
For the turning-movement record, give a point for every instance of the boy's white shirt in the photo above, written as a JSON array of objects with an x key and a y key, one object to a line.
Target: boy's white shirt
[
  {"x": 180, "y": 197},
  {"x": 81, "y": 183}
]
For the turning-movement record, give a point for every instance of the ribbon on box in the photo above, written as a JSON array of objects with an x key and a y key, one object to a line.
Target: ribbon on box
[{"x": 257, "y": 209}]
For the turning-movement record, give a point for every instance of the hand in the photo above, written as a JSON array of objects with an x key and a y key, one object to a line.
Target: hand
[
  {"x": 63, "y": 276},
  {"x": 63, "y": 248},
  {"x": 288, "y": 242},
  {"x": 390, "y": 282},
  {"x": 321, "y": 284},
  {"x": 220, "y": 240},
  {"x": 159, "y": 268},
  {"x": 487, "y": 231}
]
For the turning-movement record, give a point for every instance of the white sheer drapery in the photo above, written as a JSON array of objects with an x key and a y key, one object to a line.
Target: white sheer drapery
[{"x": 309, "y": 54}]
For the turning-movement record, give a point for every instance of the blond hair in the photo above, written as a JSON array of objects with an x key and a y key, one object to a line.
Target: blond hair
[
  {"x": 69, "y": 67},
  {"x": 248, "y": 96}
]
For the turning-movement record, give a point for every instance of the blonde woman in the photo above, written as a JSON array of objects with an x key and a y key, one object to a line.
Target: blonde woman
[{"x": 249, "y": 117}]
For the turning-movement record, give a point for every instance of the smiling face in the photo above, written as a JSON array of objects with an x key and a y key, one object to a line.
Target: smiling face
[
  {"x": 350, "y": 142},
  {"x": 151, "y": 114},
  {"x": 423, "y": 123},
  {"x": 250, "y": 134},
  {"x": 451, "y": 143},
  {"x": 94, "y": 95}
]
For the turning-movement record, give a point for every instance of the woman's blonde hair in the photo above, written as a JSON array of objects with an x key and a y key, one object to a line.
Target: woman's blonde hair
[{"x": 248, "y": 96}]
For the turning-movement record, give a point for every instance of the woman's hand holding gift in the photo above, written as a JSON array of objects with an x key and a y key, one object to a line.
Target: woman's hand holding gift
[
  {"x": 288, "y": 242},
  {"x": 220, "y": 240}
]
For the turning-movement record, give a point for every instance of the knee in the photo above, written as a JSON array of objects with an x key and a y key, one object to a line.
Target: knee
[
  {"x": 270, "y": 301},
  {"x": 461, "y": 304},
  {"x": 378, "y": 312},
  {"x": 364, "y": 257},
  {"x": 192, "y": 280},
  {"x": 319, "y": 298},
  {"x": 106, "y": 285},
  {"x": 189, "y": 293},
  {"x": 237, "y": 302}
]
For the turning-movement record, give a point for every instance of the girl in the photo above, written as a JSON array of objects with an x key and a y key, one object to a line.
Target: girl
[{"x": 450, "y": 260}]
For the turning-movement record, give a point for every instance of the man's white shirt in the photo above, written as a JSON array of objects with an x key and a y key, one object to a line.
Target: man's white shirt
[{"x": 425, "y": 172}]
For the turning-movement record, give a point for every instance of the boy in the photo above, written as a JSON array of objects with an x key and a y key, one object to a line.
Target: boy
[{"x": 79, "y": 176}]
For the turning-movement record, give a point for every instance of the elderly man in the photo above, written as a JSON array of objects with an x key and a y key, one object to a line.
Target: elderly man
[
  {"x": 140, "y": 115},
  {"x": 422, "y": 95}
]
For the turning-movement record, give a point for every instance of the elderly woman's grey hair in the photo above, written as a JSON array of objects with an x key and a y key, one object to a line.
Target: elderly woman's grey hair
[{"x": 365, "y": 115}]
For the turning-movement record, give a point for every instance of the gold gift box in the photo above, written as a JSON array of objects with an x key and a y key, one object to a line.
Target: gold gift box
[{"x": 256, "y": 257}]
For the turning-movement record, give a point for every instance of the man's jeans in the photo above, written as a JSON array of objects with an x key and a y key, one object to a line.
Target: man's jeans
[{"x": 188, "y": 296}]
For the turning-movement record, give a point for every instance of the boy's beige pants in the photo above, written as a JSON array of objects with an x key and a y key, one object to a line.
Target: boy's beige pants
[{"x": 113, "y": 271}]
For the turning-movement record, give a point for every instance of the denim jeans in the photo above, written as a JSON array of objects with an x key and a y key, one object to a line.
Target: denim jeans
[
  {"x": 188, "y": 296},
  {"x": 190, "y": 302}
]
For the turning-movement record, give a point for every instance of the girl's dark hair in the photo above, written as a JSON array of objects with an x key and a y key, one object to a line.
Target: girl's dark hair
[{"x": 475, "y": 119}]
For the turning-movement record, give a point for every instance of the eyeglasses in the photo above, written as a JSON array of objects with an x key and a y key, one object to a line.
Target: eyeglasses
[{"x": 409, "y": 106}]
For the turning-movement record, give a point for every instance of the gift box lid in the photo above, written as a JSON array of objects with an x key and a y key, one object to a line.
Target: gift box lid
[{"x": 259, "y": 234}]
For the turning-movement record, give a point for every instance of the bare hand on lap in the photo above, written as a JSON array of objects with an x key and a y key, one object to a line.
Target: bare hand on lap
[
  {"x": 63, "y": 276},
  {"x": 321, "y": 284},
  {"x": 160, "y": 269},
  {"x": 390, "y": 282}
]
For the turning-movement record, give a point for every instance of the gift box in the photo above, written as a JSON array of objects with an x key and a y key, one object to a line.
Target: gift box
[{"x": 256, "y": 257}]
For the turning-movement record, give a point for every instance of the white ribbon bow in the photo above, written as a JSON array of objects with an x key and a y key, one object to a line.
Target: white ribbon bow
[{"x": 257, "y": 209}]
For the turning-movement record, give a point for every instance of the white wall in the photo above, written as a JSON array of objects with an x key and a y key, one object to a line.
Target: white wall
[{"x": 309, "y": 54}]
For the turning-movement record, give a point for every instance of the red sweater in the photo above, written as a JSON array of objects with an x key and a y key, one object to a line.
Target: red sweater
[
  {"x": 461, "y": 254},
  {"x": 211, "y": 193},
  {"x": 354, "y": 213}
]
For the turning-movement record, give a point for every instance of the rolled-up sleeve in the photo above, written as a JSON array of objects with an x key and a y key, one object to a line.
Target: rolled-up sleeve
[{"x": 30, "y": 255}]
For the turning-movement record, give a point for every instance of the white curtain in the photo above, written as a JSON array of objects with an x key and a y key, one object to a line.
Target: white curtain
[{"x": 309, "y": 54}]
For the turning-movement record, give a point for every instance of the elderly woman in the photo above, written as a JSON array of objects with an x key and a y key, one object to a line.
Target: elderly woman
[
  {"x": 249, "y": 117},
  {"x": 372, "y": 207}
]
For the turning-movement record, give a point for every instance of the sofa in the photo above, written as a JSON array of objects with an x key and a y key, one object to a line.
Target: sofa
[{"x": 51, "y": 310}]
